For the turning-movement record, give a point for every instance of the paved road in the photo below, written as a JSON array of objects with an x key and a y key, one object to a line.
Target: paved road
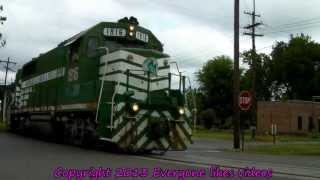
[
  {"x": 212, "y": 152},
  {"x": 25, "y": 158}
]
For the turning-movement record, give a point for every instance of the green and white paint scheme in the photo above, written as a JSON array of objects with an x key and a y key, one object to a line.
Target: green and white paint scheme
[
  {"x": 151, "y": 65},
  {"x": 111, "y": 82},
  {"x": 132, "y": 130}
]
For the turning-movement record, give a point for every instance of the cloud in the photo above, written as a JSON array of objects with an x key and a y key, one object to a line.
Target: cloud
[
  {"x": 192, "y": 31},
  {"x": 192, "y": 45}
]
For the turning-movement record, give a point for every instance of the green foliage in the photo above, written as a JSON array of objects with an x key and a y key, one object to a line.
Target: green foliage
[
  {"x": 292, "y": 71},
  {"x": 263, "y": 79},
  {"x": 228, "y": 123},
  {"x": 295, "y": 68},
  {"x": 208, "y": 118},
  {"x": 214, "y": 134},
  {"x": 199, "y": 98},
  {"x": 3, "y": 127},
  {"x": 215, "y": 79}
]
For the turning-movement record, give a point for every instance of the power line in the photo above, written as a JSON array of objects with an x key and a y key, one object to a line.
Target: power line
[
  {"x": 298, "y": 22},
  {"x": 297, "y": 25},
  {"x": 291, "y": 29},
  {"x": 264, "y": 47}
]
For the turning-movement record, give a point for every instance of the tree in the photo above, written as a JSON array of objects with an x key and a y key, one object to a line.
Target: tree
[
  {"x": 295, "y": 71},
  {"x": 208, "y": 118},
  {"x": 215, "y": 79},
  {"x": 263, "y": 75},
  {"x": 198, "y": 97}
]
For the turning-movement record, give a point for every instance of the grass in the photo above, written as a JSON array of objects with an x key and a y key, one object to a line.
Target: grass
[
  {"x": 2, "y": 126},
  {"x": 227, "y": 135},
  {"x": 217, "y": 134},
  {"x": 286, "y": 149},
  {"x": 301, "y": 148}
]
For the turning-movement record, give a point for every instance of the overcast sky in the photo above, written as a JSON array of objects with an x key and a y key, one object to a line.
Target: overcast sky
[{"x": 192, "y": 31}]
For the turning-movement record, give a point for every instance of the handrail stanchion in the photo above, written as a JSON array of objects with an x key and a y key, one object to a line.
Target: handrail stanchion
[
  {"x": 148, "y": 88},
  {"x": 169, "y": 75},
  {"x": 180, "y": 81},
  {"x": 183, "y": 84},
  {"x": 127, "y": 84}
]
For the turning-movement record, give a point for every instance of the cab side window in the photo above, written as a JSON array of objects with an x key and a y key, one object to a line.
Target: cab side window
[
  {"x": 92, "y": 47},
  {"x": 74, "y": 53}
]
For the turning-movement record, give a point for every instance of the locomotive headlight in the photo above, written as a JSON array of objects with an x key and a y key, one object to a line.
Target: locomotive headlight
[
  {"x": 135, "y": 107},
  {"x": 181, "y": 110},
  {"x": 131, "y": 27},
  {"x": 131, "y": 33}
]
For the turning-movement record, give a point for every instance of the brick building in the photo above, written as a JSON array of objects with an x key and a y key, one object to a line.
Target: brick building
[{"x": 291, "y": 117}]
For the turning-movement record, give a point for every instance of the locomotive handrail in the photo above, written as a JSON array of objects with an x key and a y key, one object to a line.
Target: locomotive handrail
[
  {"x": 175, "y": 74},
  {"x": 112, "y": 104},
  {"x": 142, "y": 75},
  {"x": 146, "y": 50},
  {"x": 101, "y": 89}
]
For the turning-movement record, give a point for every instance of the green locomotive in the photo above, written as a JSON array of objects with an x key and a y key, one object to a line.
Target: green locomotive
[{"x": 111, "y": 82}]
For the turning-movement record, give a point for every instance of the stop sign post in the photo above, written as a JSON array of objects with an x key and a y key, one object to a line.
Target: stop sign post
[{"x": 245, "y": 99}]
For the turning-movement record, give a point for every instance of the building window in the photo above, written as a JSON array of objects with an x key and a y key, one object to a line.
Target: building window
[
  {"x": 310, "y": 124},
  {"x": 299, "y": 123}
]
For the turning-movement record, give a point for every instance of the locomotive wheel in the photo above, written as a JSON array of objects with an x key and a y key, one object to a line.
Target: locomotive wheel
[
  {"x": 88, "y": 138},
  {"x": 25, "y": 125},
  {"x": 70, "y": 132},
  {"x": 74, "y": 132},
  {"x": 13, "y": 124},
  {"x": 59, "y": 131},
  {"x": 80, "y": 132}
]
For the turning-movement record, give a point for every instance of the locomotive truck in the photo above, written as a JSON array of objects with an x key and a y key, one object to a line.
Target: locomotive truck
[{"x": 111, "y": 82}]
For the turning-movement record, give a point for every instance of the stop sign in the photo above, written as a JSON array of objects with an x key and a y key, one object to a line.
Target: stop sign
[{"x": 245, "y": 100}]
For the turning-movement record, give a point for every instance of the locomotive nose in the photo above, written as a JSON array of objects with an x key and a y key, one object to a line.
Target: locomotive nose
[{"x": 158, "y": 129}]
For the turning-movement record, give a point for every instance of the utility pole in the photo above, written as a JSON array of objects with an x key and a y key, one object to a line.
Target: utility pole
[
  {"x": 236, "y": 79},
  {"x": 2, "y": 19},
  {"x": 7, "y": 67},
  {"x": 252, "y": 33}
]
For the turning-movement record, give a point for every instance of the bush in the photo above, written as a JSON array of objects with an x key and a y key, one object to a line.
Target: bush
[
  {"x": 208, "y": 118},
  {"x": 228, "y": 124}
]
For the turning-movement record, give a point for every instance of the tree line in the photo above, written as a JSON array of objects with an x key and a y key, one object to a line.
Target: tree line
[{"x": 290, "y": 71}]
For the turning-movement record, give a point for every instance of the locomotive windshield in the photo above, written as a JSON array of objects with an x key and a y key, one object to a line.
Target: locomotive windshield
[{"x": 115, "y": 45}]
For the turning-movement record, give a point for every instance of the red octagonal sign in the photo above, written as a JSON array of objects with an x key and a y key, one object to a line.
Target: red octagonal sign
[{"x": 245, "y": 99}]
